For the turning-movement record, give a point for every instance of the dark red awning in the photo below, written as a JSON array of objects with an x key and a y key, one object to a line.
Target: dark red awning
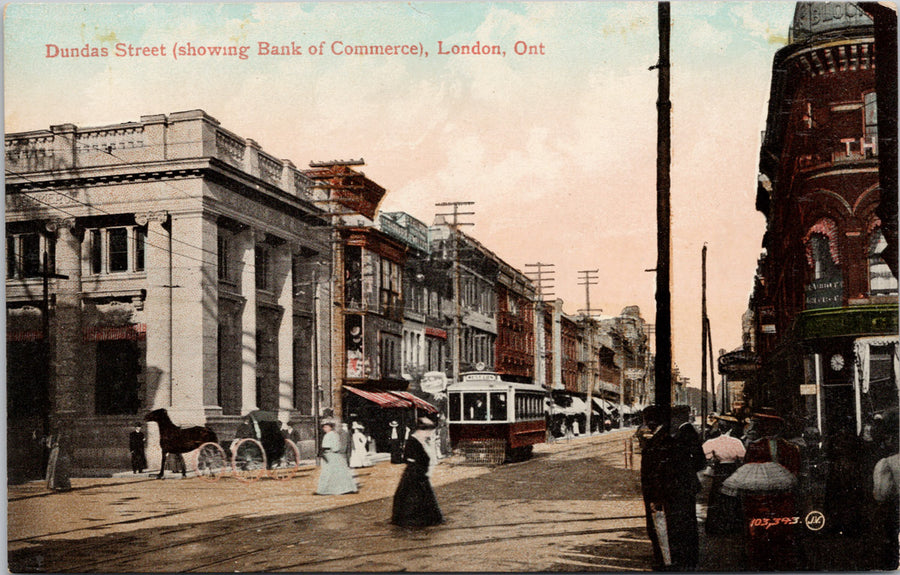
[
  {"x": 382, "y": 398},
  {"x": 419, "y": 402}
]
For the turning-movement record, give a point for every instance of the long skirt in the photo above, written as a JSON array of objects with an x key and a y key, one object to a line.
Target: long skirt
[
  {"x": 724, "y": 515},
  {"x": 336, "y": 477},
  {"x": 415, "y": 504},
  {"x": 772, "y": 536}
]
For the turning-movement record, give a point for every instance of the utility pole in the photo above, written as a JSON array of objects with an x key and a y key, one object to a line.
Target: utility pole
[
  {"x": 456, "y": 345},
  {"x": 589, "y": 278},
  {"x": 48, "y": 392},
  {"x": 663, "y": 366},
  {"x": 703, "y": 344},
  {"x": 541, "y": 278},
  {"x": 712, "y": 371},
  {"x": 340, "y": 183}
]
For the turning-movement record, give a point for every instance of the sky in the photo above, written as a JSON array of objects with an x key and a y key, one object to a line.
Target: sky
[{"x": 556, "y": 147}]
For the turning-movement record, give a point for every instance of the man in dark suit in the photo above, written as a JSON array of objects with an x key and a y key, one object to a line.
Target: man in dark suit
[
  {"x": 654, "y": 476},
  {"x": 669, "y": 483},
  {"x": 687, "y": 461}
]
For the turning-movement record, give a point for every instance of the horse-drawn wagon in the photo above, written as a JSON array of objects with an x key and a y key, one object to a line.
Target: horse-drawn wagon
[{"x": 259, "y": 449}]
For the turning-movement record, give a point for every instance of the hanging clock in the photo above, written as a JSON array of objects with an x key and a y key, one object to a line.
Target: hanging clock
[{"x": 837, "y": 362}]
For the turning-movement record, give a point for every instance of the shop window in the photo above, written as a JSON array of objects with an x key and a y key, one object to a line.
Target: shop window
[
  {"x": 116, "y": 383},
  {"x": 881, "y": 280}
]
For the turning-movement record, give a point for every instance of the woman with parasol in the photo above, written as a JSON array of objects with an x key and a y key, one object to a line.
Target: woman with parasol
[
  {"x": 725, "y": 453},
  {"x": 766, "y": 484}
]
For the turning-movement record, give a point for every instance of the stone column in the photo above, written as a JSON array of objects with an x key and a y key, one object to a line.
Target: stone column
[
  {"x": 195, "y": 305},
  {"x": 159, "y": 319},
  {"x": 158, "y": 308},
  {"x": 70, "y": 396},
  {"x": 246, "y": 246},
  {"x": 284, "y": 273}
]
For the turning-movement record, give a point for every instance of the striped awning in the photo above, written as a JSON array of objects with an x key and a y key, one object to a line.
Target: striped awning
[
  {"x": 382, "y": 398},
  {"x": 419, "y": 402}
]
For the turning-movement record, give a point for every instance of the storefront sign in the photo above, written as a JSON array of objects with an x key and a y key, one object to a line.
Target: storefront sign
[
  {"x": 435, "y": 332},
  {"x": 824, "y": 293}
]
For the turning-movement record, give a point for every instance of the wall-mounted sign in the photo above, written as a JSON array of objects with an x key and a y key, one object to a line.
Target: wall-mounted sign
[
  {"x": 815, "y": 17},
  {"x": 825, "y": 292},
  {"x": 808, "y": 389}
]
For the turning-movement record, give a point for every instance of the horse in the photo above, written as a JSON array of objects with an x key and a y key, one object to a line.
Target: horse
[{"x": 174, "y": 439}]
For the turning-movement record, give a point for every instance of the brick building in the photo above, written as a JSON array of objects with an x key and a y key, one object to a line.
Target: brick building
[{"x": 825, "y": 300}]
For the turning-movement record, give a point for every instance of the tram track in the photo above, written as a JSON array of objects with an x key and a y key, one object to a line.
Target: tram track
[
  {"x": 380, "y": 535},
  {"x": 554, "y": 533},
  {"x": 335, "y": 542}
]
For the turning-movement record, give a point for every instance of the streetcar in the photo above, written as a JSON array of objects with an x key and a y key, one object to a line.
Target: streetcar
[{"x": 492, "y": 420}]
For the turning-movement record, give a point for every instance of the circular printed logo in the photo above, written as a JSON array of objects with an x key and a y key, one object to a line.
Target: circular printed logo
[{"x": 814, "y": 520}]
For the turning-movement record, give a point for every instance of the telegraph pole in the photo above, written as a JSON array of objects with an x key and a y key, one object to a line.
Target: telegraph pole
[
  {"x": 712, "y": 370},
  {"x": 541, "y": 278},
  {"x": 663, "y": 366},
  {"x": 703, "y": 344},
  {"x": 589, "y": 278},
  {"x": 338, "y": 180},
  {"x": 456, "y": 345}
]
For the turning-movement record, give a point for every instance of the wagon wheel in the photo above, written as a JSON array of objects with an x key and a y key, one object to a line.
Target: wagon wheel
[
  {"x": 286, "y": 466},
  {"x": 248, "y": 460},
  {"x": 211, "y": 462}
]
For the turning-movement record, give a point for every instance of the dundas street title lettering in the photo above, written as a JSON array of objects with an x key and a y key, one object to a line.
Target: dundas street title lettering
[{"x": 289, "y": 49}]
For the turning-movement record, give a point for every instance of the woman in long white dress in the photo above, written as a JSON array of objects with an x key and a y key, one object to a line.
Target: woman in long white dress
[
  {"x": 359, "y": 456},
  {"x": 335, "y": 477}
]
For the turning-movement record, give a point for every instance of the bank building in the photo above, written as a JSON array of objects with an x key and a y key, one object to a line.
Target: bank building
[{"x": 166, "y": 262}]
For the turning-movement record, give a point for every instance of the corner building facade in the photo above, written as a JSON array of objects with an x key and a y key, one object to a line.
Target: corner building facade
[
  {"x": 184, "y": 259},
  {"x": 825, "y": 300}
]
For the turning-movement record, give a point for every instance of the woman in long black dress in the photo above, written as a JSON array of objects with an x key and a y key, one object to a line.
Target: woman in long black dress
[{"x": 414, "y": 502}]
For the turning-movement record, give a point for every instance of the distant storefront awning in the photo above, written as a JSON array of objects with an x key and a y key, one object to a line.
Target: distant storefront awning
[
  {"x": 417, "y": 401},
  {"x": 382, "y": 398},
  {"x": 604, "y": 405}
]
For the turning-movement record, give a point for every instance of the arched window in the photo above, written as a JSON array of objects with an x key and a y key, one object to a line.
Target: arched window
[
  {"x": 881, "y": 280},
  {"x": 825, "y": 285}
]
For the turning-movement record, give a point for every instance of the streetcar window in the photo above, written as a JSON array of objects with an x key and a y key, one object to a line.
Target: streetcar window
[
  {"x": 498, "y": 406},
  {"x": 475, "y": 405},
  {"x": 455, "y": 412}
]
